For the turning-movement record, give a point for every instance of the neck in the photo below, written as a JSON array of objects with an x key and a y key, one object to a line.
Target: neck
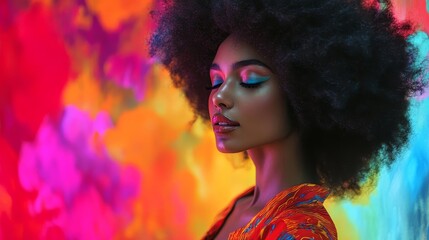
[{"x": 279, "y": 166}]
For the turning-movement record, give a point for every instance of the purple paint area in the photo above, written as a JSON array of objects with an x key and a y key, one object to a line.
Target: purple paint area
[
  {"x": 125, "y": 69},
  {"x": 128, "y": 72}
]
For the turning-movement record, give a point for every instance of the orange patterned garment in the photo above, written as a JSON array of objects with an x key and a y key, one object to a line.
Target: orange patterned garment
[{"x": 295, "y": 213}]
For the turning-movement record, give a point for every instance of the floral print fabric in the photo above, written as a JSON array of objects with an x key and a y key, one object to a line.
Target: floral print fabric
[{"x": 295, "y": 213}]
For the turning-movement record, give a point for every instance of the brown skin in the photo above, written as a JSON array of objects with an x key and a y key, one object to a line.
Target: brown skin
[{"x": 265, "y": 131}]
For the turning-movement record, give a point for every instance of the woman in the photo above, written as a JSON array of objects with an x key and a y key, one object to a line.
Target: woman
[{"x": 314, "y": 92}]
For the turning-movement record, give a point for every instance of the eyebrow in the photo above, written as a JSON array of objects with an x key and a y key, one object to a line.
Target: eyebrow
[{"x": 241, "y": 64}]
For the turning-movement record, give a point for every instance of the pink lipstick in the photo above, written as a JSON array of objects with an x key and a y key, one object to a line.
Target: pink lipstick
[{"x": 222, "y": 124}]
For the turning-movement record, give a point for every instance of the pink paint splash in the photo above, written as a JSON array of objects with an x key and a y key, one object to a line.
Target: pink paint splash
[{"x": 74, "y": 177}]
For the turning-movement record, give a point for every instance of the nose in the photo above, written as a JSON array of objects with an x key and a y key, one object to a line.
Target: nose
[{"x": 223, "y": 97}]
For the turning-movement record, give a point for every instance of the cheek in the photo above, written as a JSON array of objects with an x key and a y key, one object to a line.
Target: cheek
[{"x": 266, "y": 112}]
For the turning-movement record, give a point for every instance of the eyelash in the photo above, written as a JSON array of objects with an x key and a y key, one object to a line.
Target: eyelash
[
  {"x": 213, "y": 87},
  {"x": 250, "y": 85},
  {"x": 245, "y": 85}
]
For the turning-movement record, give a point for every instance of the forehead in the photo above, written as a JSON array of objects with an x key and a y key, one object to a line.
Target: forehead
[{"x": 232, "y": 50}]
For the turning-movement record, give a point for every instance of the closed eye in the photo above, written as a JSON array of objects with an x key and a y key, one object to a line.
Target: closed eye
[
  {"x": 214, "y": 86},
  {"x": 252, "y": 79},
  {"x": 217, "y": 81},
  {"x": 250, "y": 85}
]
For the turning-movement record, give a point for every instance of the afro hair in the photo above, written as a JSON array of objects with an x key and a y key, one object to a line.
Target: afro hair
[{"x": 346, "y": 68}]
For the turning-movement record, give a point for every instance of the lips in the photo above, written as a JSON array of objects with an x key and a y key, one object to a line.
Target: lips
[{"x": 222, "y": 124}]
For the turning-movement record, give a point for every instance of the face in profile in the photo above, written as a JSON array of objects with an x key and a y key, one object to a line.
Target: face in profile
[{"x": 247, "y": 105}]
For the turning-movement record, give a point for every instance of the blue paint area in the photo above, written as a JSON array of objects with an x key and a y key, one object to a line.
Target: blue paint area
[
  {"x": 421, "y": 41},
  {"x": 398, "y": 207}
]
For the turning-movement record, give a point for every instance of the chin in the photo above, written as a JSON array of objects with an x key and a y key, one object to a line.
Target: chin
[{"x": 225, "y": 149}]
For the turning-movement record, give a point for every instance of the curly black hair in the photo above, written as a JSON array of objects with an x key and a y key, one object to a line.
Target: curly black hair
[{"x": 346, "y": 67}]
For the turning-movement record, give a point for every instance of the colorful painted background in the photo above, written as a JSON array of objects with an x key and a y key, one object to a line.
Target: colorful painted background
[{"x": 95, "y": 143}]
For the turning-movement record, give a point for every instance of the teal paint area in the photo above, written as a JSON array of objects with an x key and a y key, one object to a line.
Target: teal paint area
[
  {"x": 427, "y": 10},
  {"x": 421, "y": 41}
]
